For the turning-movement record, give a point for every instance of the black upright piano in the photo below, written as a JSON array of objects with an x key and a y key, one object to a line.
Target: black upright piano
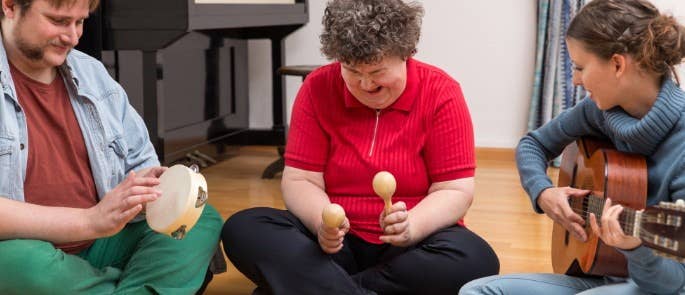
[{"x": 184, "y": 66}]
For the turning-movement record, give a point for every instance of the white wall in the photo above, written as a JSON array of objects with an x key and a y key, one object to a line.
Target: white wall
[
  {"x": 488, "y": 46},
  {"x": 677, "y": 9}
]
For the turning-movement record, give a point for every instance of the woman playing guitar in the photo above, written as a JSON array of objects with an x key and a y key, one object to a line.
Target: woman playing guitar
[{"x": 623, "y": 52}]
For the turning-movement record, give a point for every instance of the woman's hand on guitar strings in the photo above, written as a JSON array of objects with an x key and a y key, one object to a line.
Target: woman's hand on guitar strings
[
  {"x": 554, "y": 202},
  {"x": 610, "y": 230}
]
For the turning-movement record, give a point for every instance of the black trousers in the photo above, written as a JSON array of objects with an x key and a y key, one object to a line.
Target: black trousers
[{"x": 279, "y": 254}]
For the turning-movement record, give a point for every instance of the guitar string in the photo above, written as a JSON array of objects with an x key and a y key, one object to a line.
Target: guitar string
[
  {"x": 623, "y": 223},
  {"x": 584, "y": 213},
  {"x": 644, "y": 234}
]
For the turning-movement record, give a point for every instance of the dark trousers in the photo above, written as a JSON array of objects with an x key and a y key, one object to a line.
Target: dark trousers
[{"x": 279, "y": 254}]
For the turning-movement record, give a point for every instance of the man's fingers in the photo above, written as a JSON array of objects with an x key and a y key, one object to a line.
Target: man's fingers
[
  {"x": 157, "y": 171},
  {"x": 142, "y": 190},
  {"x": 131, "y": 180},
  {"x": 145, "y": 181},
  {"x": 127, "y": 215},
  {"x": 139, "y": 200}
]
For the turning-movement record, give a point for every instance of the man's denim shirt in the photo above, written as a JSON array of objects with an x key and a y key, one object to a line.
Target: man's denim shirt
[{"x": 115, "y": 135}]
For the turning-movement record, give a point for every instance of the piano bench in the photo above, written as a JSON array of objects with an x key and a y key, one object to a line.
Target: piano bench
[
  {"x": 278, "y": 165},
  {"x": 297, "y": 70}
]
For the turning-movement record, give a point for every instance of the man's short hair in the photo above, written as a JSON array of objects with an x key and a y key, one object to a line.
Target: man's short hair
[{"x": 26, "y": 4}]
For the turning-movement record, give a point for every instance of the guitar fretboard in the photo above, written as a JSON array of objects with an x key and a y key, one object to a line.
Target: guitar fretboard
[
  {"x": 632, "y": 222},
  {"x": 595, "y": 204}
]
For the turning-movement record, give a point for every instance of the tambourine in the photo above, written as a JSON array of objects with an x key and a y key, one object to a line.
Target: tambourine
[{"x": 184, "y": 194}]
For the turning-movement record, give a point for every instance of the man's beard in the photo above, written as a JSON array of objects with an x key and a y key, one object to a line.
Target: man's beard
[{"x": 32, "y": 52}]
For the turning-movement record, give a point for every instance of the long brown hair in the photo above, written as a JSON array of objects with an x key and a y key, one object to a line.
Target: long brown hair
[{"x": 635, "y": 27}]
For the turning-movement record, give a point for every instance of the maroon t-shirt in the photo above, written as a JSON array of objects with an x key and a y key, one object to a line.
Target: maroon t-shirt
[{"x": 58, "y": 169}]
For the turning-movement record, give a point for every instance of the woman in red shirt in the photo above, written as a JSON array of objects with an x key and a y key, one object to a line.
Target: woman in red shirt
[{"x": 374, "y": 109}]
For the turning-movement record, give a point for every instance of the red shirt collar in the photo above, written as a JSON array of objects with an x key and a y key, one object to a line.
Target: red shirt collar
[{"x": 406, "y": 99}]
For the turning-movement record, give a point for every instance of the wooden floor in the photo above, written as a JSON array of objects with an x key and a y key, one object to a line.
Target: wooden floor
[{"x": 501, "y": 212}]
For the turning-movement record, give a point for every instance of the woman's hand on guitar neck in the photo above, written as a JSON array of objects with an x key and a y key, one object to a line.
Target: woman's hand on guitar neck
[
  {"x": 554, "y": 202},
  {"x": 610, "y": 230}
]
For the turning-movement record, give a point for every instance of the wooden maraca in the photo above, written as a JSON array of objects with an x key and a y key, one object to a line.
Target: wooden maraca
[
  {"x": 384, "y": 185},
  {"x": 333, "y": 215}
]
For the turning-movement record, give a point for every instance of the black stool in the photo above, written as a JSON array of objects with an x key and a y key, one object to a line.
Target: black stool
[{"x": 278, "y": 165}]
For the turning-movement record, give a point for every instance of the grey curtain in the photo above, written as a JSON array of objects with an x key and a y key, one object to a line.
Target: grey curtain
[{"x": 553, "y": 89}]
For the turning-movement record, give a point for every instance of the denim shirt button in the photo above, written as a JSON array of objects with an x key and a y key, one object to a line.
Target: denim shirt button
[{"x": 21, "y": 146}]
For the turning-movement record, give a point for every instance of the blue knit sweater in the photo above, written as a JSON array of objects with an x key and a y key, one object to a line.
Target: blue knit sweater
[{"x": 659, "y": 136}]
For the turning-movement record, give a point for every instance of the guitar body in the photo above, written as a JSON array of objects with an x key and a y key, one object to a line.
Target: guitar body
[{"x": 596, "y": 166}]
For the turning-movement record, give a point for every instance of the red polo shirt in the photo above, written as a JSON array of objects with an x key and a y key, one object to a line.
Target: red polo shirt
[{"x": 426, "y": 136}]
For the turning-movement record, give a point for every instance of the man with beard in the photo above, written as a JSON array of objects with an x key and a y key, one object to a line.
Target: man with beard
[{"x": 76, "y": 168}]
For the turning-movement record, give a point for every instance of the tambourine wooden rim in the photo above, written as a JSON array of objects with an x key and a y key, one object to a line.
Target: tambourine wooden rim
[{"x": 184, "y": 194}]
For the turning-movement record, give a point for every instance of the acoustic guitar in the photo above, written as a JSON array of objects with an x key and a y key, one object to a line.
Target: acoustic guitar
[{"x": 607, "y": 173}]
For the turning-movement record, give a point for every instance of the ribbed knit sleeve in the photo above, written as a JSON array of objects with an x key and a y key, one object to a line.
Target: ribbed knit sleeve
[
  {"x": 538, "y": 147},
  {"x": 450, "y": 145},
  {"x": 307, "y": 145},
  {"x": 654, "y": 274}
]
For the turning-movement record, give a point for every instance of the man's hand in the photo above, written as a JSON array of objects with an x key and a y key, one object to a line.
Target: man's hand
[
  {"x": 331, "y": 239},
  {"x": 611, "y": 232},
  {"x": 122, "y": 203},
  {"x": 554, "y": 202},
  {"x": 396, "y": 226},
  {"x": 155, "y": 172}
]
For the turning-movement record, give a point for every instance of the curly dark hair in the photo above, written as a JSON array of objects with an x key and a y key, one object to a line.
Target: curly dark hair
[
  {"x": 365, "y": 31},
  {"x": 635, "y": 27}
]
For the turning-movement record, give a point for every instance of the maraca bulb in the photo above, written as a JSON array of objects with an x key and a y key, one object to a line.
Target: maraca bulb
[
  {"x": 384, "y": 184},
  {"x": 333, "y": 215}
]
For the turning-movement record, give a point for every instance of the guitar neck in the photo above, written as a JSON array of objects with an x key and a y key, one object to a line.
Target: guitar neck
[
  {"x": 659, "y": 227},
  {"x": 629, "y": 219}
]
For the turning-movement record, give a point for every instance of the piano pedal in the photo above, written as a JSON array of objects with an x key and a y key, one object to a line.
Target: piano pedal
[
  {"x": 197, "y": 160},
  {"x": 205, "y": 157}
]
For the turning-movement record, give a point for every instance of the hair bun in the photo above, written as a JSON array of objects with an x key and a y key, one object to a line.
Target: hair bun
[{"x": 664, "y": 43}]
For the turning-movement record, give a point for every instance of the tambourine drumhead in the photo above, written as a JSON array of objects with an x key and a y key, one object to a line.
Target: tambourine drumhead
[{"x": 184, "y": 193}]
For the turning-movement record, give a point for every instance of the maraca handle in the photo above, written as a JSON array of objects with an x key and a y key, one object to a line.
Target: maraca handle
[{"x": 388, "y": 206}]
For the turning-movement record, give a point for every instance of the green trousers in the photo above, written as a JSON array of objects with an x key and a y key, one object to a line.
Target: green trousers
[{"x": 137, "y": 260}]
